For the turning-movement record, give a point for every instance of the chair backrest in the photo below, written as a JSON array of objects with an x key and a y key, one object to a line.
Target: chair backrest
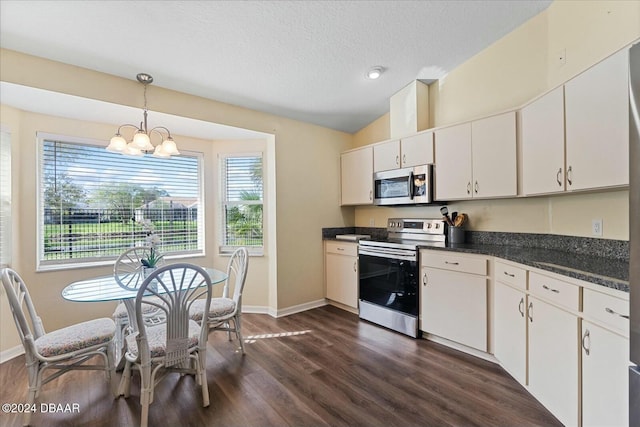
[
  {"x": 237, "y": 274},
  {"x": 29, "y": 328},
  {"x": 175, "y": 288},
  {"x": 128, "y": 269}
]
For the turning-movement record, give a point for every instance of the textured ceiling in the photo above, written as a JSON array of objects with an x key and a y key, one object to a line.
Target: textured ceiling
[{"x": 300, "y": 59}]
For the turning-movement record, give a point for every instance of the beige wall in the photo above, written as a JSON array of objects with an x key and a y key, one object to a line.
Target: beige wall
[
  {"x": 519, "y": 67},
  {"x": 306, "y": 175}
]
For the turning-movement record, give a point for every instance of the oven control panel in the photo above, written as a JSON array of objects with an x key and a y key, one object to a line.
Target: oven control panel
[{"x": 418, "y": 226}]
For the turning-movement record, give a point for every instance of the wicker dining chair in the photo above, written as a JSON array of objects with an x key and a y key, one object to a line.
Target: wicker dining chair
[
  {"x": 61, "y": 350},
  {"x": 225, "y": 313},
  {"x": 177, "y": 345},
  {"x": 129, "y": 274}
]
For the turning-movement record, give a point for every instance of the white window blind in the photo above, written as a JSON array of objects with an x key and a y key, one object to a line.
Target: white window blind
[
  {"x": 242, "y": 202},
  {"x": 5, "y": 198},
  {"x": 93, "y": 202}
]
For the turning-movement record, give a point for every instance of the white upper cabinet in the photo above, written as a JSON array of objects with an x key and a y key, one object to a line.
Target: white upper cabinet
[
  {"x": 493, "y": 150},
  {"x": 597, "y": 125},
  {"x": 417, "y": 150},
  {"x": 386, "y": 156},
  {"x": 477, "y": 159},
  {"x": 414, "y": 150},
  {"x": 453, "y": 162},
  {"x": 543, "y": 168},
  {"x": 356, "y": 169}
]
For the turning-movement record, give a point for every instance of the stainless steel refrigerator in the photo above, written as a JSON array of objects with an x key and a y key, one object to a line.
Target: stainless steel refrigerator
[{"x": 634, "y": 233}]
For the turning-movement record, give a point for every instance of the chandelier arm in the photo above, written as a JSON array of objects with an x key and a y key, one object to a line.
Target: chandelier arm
[
  {"x": 127, "y": 125},
  {"x": 155, "y": 129}
]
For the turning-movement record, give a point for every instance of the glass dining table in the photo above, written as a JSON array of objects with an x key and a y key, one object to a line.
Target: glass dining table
[{"x": 109, "y": 288}]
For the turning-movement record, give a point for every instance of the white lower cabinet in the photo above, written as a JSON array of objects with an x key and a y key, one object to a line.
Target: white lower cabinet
[
  {"x": 605, "y": 377},
  {"x": 605, "y": 359},
  {"x": 453, "y": 304},
  {"x": 341, "y": 273},
  {"x": 553, "y": 359},
  {"x": 510, "y": 330}
]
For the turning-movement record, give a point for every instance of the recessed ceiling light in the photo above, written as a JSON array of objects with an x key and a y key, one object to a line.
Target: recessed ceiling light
[{"x": 374, "y": 73}]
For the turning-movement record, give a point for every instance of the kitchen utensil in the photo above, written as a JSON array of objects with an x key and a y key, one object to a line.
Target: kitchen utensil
[
  {"x": 454, "y": 215},
  {"x": 460, "y": 220},
  {"x": 445, "y": 212}
]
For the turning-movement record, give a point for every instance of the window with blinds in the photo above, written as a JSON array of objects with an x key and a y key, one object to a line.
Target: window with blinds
[
  {"x": 242, "y": 202},
  {"x": 5, "y": 198},
  {"x": 94, "y": 204}
]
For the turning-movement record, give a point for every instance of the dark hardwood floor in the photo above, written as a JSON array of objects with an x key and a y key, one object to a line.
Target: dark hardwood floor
[{"x": 322, "y": 367}]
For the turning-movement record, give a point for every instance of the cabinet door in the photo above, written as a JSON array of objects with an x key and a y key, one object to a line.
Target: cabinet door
[
  {"x": 605, "y": 377},
  {"x": 386, "y": 156},
  {"x": 543, "y": 144},
  {"x": 454, "y": 306},
  {"x": 510, "y": 329},
  {"x": 453, "y": 162},
  {"x": 553, "y": 359},
  {"x": 417, "y": 150},
  {"x": 356, "y": 168},
  {"x": 342, "y": 279},
  {"x": 597, "y": 125},
  {"x": 493, "y": 153}
]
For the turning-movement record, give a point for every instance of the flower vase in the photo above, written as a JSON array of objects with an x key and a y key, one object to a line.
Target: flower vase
[{"x": 146, "y": 271}]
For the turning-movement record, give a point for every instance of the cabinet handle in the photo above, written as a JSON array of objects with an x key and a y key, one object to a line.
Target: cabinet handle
[
  {"x": 550, "y": 289},
  {"x": 510, "y": 275},
  {"x": 340, "y": 249},
  {"x": 476, "y": 187},
  {"x": 469, "y": 187},
  {"x": 355, "y": 266},
  {"x": 558, "y": 177},
  {"x": 425, "y": 280},
  {"x": 397, "y": 160},
  {"x": 610, "y": 311},
  {"x": 569, "y": 174},
  {"x": 370, "y": 194},
  {"x": 404, "y": 159},
  {"x": 587, "y": 335},
  {"x": 521, "y": 307},
  {"x": 530, "y": 312},
  {"x": 452, "y": 263}
]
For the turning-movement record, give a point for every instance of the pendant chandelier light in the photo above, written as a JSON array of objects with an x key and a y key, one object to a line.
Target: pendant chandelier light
[{"x": 140, "y": 144}]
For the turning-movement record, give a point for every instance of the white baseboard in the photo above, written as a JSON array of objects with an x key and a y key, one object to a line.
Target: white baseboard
[
  {"x": 301, "y": 307},
  {"x": 260, "y": 309},
  {"x": 11, "y": 353}
]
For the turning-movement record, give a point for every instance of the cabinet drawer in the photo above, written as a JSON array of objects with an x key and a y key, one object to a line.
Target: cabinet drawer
[
  {"x": 554, "y": 290},
  {"x": 611, "y": 311},
  {"x": 463, "y": 264},
  {"x": 511, "y": 275},
  {"x": 342, "y": 248}
]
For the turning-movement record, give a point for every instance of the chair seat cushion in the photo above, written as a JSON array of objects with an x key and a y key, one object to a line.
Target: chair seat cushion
[
  {"x": 220, "y": 307},
  {"x": 76, "y": 337},
  {"x": 157, "y": 338},
  {"x": 121, "y": 310}
]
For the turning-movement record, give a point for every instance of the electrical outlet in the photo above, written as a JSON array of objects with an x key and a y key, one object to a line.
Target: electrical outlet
[
  {"x": 596, "y": 227},
  {"x": 372, "y": 222}
]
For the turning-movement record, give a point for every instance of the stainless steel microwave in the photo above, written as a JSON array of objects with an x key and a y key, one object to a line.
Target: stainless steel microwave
[{"x": 406, "y": 186}]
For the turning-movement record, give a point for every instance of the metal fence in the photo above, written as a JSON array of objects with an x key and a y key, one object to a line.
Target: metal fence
[{"x": 97, "y": 233}]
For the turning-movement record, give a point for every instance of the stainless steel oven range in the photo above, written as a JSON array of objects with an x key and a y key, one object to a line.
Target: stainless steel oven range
[{"x": 389, "y": 272}]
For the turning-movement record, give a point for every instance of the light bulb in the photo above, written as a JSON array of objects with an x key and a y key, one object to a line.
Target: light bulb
[
  {"x": 169, "y": 147},
  {"x": 141, "y": 141},
  {"x": 374, "y": 73},
  {"x": 159, "y": 152}
]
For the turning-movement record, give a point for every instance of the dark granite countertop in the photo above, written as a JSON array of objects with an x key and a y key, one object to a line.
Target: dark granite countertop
[
  {"x": 609, "y": 272},
  {"x": 599, "y": 261}
]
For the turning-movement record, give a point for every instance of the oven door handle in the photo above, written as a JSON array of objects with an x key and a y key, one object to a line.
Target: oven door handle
[{"x": 388, "y": 253}]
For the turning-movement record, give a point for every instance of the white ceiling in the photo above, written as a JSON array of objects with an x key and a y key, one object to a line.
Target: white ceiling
[{"x": 300, "y": 59}]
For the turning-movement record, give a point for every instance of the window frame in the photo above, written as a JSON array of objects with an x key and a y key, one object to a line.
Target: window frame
[
  {"x": 227, "y": 250},
  {"x": 6, "y": 198},
  {"x": 45, "y": 265}
]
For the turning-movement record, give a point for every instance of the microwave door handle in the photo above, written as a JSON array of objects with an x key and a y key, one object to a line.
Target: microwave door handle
[{"x": 412, "y": 188}]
